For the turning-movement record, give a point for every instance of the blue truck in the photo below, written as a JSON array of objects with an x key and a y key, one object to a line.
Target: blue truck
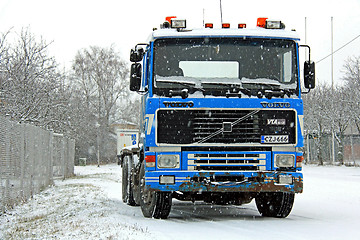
[{"x": 221, "y": 118}]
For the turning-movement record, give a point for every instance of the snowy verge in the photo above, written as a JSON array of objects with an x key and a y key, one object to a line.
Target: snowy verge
[
  {"x": 86, "y": 206},
  {"x": 89, "y": 206}
]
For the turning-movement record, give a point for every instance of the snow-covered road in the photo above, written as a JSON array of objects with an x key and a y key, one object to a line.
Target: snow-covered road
[{"x": 89, "y": 206}]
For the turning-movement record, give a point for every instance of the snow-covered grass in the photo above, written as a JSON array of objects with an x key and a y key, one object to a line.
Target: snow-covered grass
[{"x": 89, "y": 206}]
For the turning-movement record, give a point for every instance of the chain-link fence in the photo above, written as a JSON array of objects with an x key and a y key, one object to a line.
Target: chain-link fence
[
  {"x": 63, "y": 156},
  {"x": 30, "y": 158},
  {"x": 332, "y": 149},
  {"x": 352, "y": 150}
]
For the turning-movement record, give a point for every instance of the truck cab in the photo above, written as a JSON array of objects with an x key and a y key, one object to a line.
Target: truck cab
[{"x": 221, "y": 117}]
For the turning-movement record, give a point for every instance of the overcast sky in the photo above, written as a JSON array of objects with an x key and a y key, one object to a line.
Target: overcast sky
[{"x": 76, "y": 24}]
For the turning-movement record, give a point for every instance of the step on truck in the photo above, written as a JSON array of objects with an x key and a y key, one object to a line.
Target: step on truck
[{"x": 221, "y": 117}]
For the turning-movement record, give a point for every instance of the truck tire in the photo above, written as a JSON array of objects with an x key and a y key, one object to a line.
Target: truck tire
[
  {"x": 127, "y": 191},
  {"x": 153, "y": 204},
  {"x": 275, "y": 204},
  {"x": 136, "y": 185}
]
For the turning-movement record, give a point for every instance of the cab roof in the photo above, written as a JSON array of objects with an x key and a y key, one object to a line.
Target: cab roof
[{"x": 207, "y": 32}]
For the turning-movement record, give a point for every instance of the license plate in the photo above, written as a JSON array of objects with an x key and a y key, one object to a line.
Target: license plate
[{"x": 275, "y": 139}]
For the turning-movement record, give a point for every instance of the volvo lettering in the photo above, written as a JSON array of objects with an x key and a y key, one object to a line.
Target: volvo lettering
[
  {"x": 275, "y": 104},
  {"x": 178, "y": 104}
]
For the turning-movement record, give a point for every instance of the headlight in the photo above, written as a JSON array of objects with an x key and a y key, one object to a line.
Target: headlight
[
  {"x": 168, "y": 161},
  {"x": 284, "y": 160}
]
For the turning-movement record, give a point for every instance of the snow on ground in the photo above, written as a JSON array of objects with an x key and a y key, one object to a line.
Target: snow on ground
[{"x": 89, "y": 206}]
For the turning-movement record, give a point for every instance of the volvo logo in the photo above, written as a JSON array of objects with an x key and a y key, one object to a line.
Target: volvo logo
[
  {"x": 178, "y": 104},
  {"x": 275, "y": 105}
]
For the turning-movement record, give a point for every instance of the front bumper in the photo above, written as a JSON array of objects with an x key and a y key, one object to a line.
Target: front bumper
[{"x": 199, "y": 181}]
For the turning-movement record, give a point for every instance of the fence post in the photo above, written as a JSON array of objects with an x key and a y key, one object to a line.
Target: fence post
[
  {"x": 63, "y": 156},
  {"x": 72, "y": 156},
  {"x": 22, "y": 160},
  {"x": 7, "y": 167},
  {"x": 31, "y": 160},
  {"x": 2, "y": 187},
  {"x": 51, "y": 160},
  {"x": 308, "y": 160},
  {"x": 352, "y": 149}
]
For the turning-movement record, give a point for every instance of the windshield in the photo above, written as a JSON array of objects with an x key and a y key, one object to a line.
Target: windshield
[{"x": 219, "y": 65}]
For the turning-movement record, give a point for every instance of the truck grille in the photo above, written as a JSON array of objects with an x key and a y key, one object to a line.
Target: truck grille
[
  {"x": 193, "y": 126},
  {"x": 226, "y": 161}
]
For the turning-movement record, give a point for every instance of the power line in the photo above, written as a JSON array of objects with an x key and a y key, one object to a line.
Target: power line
[{"x": 339, "y": 48}]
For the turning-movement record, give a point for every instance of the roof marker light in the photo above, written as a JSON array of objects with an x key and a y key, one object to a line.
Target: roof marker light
[
  {"x": 225, "y": 25},
  {"x": 168, "y": 19},
  {"x": 269, "y": 24},
  {"x": 261, "y": 22},
  {"x": 209, "y": 25},
  {"x": 167, "y": 23},
  {"x": 242, "y": 25}
]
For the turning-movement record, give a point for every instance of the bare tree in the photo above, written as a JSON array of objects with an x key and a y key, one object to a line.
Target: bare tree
[
  {"x": 4, "y": 48},
  {"x": 82, "y": 104},
  {"x": 31, "y": 83},
  {"x": 99, "y": 75},
  {"x": 328, "y": 110},
  {"x": 352, "y": 84},
  {"x": 352, "y": 72},
  {"x": 316, "y": 119},
  {"x": 130, "y": 110}
]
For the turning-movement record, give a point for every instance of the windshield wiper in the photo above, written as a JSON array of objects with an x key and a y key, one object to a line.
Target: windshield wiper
[
  {"x": 272, "y": 90},
  {"x": 190, "y": 85},
  {"x": 269, "y": 85},
  {"x": 234, "y": 89},
  {"x": 184, "y": 93}
]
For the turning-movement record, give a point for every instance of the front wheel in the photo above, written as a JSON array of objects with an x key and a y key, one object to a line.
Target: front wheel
[
  {"x": 153, "y": 204},
  {"x": 127, "y": 190},
  {"x": 275, "y": 204}
]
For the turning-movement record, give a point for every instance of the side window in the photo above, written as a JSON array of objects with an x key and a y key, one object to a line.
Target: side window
[
  {"x": 145, "y": 69},
  {"x": 287, "y": 67}
]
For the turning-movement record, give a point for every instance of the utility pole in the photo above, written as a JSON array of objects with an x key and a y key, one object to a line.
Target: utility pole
[
  {"x": 332, "y": 56},
  {"x": 332, "y": 89},
  {"x": 306, "y": 38},
  {"x": 203, "y": 17},
  {"x": 221, "y": 12},
  {"x": 308, "y": 160}
]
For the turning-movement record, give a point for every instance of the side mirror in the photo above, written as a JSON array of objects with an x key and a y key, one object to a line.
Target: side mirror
[
  {"x": 135, "y": 77},
  {"x": 309, "y": 74},
  {"x": 137, "y": 53}
]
